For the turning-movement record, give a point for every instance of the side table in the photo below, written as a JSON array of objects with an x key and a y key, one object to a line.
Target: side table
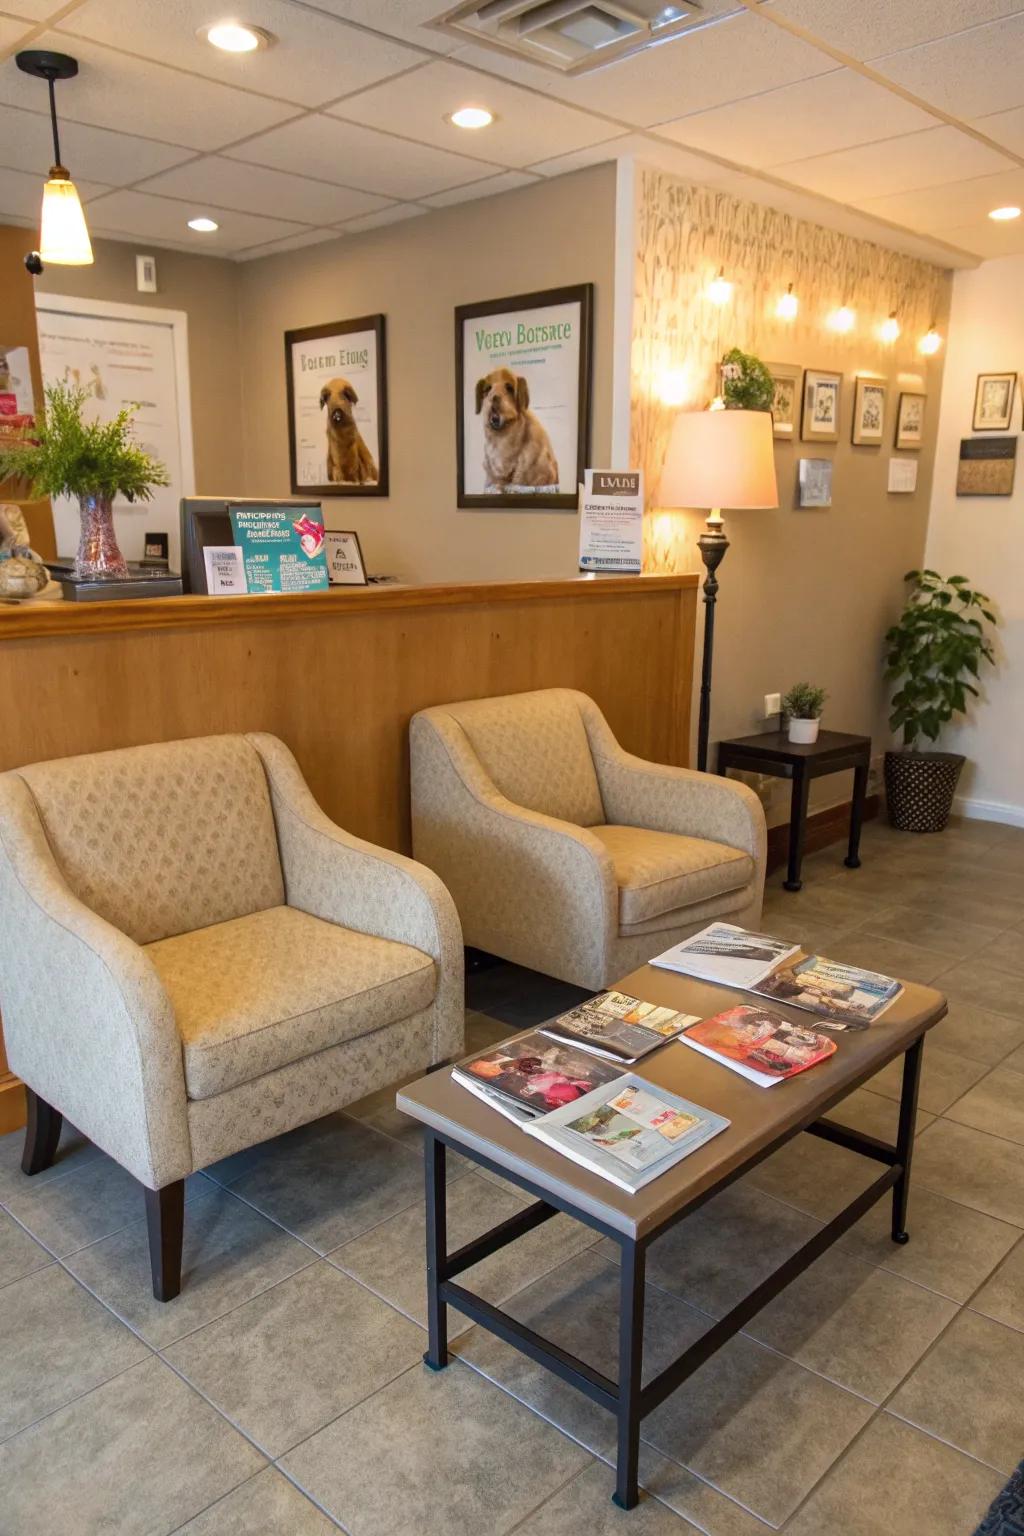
[{"x": 773, "y": 753}]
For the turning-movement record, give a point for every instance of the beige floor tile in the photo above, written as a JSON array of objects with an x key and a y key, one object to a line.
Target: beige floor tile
[
  {"x": 874, "y": 1114},
  {"x": 19, "y": 1253},
  {"x": 813, "y": 1175},
  {"x": 1016, "y": 1060},
  {"x": 973, "y": 1168},
  {"x": 443, "y": 1452},
  {"x": 987, "y": 986},
  {"x": 73, "y": 1151},
  {"x": 942, "y": 935},
  {"x": 267, "y": 1505},
  {"x": 945, "y": 1077},
  {"x": 291, "y": 1360},
  {"x": 967, "y": 1391},
  {"x": 1003, "y": 1296},
  {"x": 976, "y": 1033},
  {"x": 711, "y": 1511},
  {"x": 56, "y": 1342},
  {"x": 98, "y": 1197},
  {"x": 831, "y": 902},
  {"x": 996, "y": 1104},
  {"x": 897, "y": 1482},
  {"x": 951, "y": 1250},
  {"x": 909, "y": 962},
  {"x": 976, "y": 905},
  {"x": 809, "y": 933},
  {"x": 862, "y": 1327},
  {"x": 584, "y": 1508},
  {"x": 141, "y": 1454},
  {"x": 1006, "y": 951}
]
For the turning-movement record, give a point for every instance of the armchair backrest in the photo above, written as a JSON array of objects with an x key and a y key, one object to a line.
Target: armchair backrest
[
  {"x": 535, "y": 749},
  {"x": 163, "y": 839}
]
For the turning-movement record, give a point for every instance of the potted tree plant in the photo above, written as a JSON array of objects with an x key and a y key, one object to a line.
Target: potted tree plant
[
  {"x": 802, "y": 706},
  {"x": 66, "y": 455},
  {"x": 932, "y": 653}
]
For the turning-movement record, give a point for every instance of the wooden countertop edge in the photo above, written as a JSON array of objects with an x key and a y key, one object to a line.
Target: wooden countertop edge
[{"x": 35, "y": 620}]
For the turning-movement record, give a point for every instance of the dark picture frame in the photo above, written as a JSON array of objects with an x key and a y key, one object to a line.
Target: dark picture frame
[
  {"x": 577, "y": 397},
  {"x": 368, "y": 415},
  {"x": 985, "y": 421},
  {"x": 820, "y": 384}
]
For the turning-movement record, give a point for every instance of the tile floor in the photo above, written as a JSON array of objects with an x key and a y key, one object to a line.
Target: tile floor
[{"x": 283, "y": 1393}]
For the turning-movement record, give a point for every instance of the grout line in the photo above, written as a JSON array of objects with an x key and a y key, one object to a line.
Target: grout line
[{"x": 77, "y": 1398}]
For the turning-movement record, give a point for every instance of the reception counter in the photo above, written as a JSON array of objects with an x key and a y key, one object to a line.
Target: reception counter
[{"x": 338, "y": 674}]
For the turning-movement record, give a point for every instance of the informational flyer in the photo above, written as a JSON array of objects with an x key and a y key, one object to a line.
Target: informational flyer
[
  {"x": 612, "y": 521},
  {"x": 282, "y": 548}
]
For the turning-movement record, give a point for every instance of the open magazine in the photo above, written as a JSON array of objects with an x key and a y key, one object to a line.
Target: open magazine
[
  {"x": 618, "y": 1026},
  {"x": 532, "y": 1075},
  {"x": 844, "y": 996},
  {"x": 730, "y": 956},
  {"x": 759, "y": 1044}
]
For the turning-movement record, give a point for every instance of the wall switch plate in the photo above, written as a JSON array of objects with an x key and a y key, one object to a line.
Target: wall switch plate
[
  {"x": 772, "y": 705},
  {"x": 145, "y": 274}
]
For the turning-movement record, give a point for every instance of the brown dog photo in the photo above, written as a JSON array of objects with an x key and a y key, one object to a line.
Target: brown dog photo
[
  {"x": 349, "y": 461},
  {"x": 517, "y": 449}
]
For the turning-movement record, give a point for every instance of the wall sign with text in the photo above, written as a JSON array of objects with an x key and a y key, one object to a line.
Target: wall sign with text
[
  {"x": 337, "y": 408},
  {"x": 612, "y": 521}
]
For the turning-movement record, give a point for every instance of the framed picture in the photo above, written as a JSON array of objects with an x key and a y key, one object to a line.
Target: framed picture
[
  {"x": 993, "y": 402},
  {"x": 345, "y": 566},
  {"x": 786, "y": 402},
  {"x": 910, "y": 420},
  {"x": 522, "y": 398},
  {"x": 987, "y": 466},
  {"x": 814, "y": 483},
  {"x": 337, "y": 408},
  {"x": 868, "y": 413},
  {"x": 819, "y": 421}
]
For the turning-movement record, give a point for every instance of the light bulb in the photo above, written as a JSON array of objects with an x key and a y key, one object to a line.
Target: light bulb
[
  {"x": 1003, "y": 215},
  {"x": 720, "y": 288},
  {"x": 842, "y": 319},
  {"x": 672, "y": 386},
  {"x": 203, "y": 226},
  {"x": 472, "y": 117},
  {"x": 930, "y": 343},
  {"x": 889, "y": 329},
  {"x": 786, "y": 308},
  {"x": 235, "y": 37},
  {"x": 63, "y": 236}
]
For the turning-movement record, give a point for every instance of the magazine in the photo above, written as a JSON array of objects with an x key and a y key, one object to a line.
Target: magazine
[
  {"x": 730, "y": 956},
  {"x": 627, "y": 1131},
  {"x": 844, "y": 996},
  {"x": 531, "y": 1075},
  {"x": 618, "y": 1026},
  {"x": 759, "y": 1044}
]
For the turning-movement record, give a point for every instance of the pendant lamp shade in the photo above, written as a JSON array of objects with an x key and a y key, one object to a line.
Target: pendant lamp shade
[{"x": 63, "y": 236}]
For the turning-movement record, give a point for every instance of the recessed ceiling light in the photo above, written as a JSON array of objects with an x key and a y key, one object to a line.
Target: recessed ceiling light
[
  {"x": 235, "y": 36},
  {"x": 203, "y": 226},
  {"x": 472, "y": 117},
  {"x": 1004, "y": 214}
]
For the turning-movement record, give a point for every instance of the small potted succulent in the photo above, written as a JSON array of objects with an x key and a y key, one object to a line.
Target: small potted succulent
[
  {"x": 802, "y": 707},
  {"x": 932, "y": 653}
]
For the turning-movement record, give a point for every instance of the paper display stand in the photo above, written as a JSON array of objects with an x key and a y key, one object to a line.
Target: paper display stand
[
  {"x": 345, "y": 566},
  {"x": 253, "y": 546},
  {"x": 612, "y": 521}
]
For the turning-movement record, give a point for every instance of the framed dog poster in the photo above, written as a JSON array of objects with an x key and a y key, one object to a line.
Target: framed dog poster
[
  {"x": 337, "y": 408},
  {"x": 522, "y": 398}
]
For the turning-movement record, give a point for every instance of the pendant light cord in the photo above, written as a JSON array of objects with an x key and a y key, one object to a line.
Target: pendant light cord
[{"x": 53, "y": 120}]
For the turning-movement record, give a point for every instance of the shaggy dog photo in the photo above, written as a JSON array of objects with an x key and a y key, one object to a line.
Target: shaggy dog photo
[
  {"x": 349, "y": 461},
  {"x": 517, "y": 450}
]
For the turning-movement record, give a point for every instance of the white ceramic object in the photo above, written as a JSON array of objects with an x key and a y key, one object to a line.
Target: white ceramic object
[{"x": 803, "y": 732}]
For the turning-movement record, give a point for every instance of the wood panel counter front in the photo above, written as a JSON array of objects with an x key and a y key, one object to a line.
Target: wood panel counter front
[{"x": 337, "y": 675}]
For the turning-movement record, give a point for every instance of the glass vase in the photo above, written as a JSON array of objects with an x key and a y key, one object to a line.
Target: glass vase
[{"x": 98, "y": 553}]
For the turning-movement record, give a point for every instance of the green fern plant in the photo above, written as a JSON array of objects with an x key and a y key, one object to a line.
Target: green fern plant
[
  {"x": 746, "y": 383},
  {"x": 65, "y": 455},
  {"x": 933, "y": 651}
]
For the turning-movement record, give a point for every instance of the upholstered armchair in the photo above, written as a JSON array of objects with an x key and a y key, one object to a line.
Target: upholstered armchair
[
  {"x": 193, "y": 958},
  {"x": 563, "y": 852}
]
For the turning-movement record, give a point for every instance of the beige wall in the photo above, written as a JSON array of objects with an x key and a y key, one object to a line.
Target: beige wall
[{"x": 415, "y": 272}]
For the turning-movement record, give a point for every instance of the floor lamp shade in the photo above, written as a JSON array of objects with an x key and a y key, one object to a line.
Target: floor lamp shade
[{"x": 720, "y": 459}]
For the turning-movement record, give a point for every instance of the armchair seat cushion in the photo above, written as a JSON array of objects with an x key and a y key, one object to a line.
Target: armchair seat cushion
[
  {"x": 259, "y": 992},
  {"x": 659, "y": 872}
]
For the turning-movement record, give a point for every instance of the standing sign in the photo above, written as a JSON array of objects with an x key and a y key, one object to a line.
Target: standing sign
[
  {"x": 612, "y": 521},
  {"x": 280, "y": 552}
]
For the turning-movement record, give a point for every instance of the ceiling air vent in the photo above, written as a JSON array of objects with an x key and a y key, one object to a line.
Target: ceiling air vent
[{"x": 573, "y": 36}]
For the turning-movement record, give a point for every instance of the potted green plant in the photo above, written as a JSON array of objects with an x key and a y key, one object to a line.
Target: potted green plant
[
  {"x": 745, "y": 381},
  {"x": 66, "y": 455},
  {"x": 933, "y": 652},
  {"x": 802, "y": 706}
]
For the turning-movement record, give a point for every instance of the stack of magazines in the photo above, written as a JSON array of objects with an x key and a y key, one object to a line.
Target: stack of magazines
[
  {"x": 617, "y": 1025},
  {"x": 759, "y": 1044}
]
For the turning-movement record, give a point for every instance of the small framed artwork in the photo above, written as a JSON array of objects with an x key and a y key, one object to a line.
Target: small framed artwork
[
  {"x": 819, "y": 421},
  {"x": 987, "y": 466},
  {"x": 868, "y": 413},
  {"x": 814, "y": 483},
  {"x": 345, "y": 566},
  {"x": 337, "y": 408},
  {"x": 910, "y": 420},
  {"x": 993, "y": 402},
  {"x": 522, "y": 399},
  {"x": 786, "y": 401}
]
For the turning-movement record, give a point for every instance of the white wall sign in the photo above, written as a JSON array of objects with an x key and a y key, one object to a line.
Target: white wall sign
[{"x": 612, "y": 521}]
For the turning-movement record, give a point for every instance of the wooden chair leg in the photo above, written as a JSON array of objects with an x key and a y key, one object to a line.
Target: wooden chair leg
[
  {"x": 165, "y": 1218},
  {"x": 42, "y": 1133}
]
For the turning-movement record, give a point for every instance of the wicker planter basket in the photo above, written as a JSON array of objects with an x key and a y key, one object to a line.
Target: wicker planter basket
[{"x": 919, "y": 788}]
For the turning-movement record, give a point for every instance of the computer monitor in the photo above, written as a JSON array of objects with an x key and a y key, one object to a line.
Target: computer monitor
[{"x": 206, "y": 520}]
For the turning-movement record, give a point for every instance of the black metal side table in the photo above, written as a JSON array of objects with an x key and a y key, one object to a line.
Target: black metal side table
[{"x": 773, "y": 753}]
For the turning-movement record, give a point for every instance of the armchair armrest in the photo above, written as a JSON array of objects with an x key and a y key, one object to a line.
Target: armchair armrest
[{"x": 87, "y": 1022}]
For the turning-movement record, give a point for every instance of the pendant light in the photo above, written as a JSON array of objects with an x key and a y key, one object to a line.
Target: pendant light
[{"x": 63, "y": 236}]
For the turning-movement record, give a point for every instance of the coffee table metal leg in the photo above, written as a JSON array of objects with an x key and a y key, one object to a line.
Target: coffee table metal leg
[
  {"x": 437, "y": 1251},
  {"x": 905, "y": 1139},
  {"x": 631, "y": 1361}
]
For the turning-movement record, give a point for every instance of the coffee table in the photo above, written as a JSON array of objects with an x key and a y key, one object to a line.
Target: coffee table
[{"x": 762, "y": 1119}]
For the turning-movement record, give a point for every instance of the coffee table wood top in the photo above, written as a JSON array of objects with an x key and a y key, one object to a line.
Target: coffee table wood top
[{"x": 760, "y": 1117}]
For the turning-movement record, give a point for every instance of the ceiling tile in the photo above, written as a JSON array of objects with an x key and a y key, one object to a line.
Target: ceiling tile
[
  {"x": 21, "y": 195},
  {"x": 615, "y": 146},
  {"x": 950, "y": 205},
  {"x": 114, "y": 90},
  {"x": 528, "y": 126},
  {"x": 397, "y": 18},
  {"x": 157, "y": 218},
  {"x": 987, "y": 239},
  {"x": 508, "y": 181},
  {"x": 253, "y": 189},
  {"x": 871, "y": 27},
  {"x": 1004, "y": 127},
  {"x": 115, "y": 158},
  {"x": 314, "y": 58},
  {"x": 967, "y": 74},
  {"x": 11, "y": 31},
  {"x": 289, "y": 243},
  {"x": 904, "y": 164},
  {"x": 396, "y": 215},
  {"x": 827, "y": 113},
  {"x": 360, "y": 157}
]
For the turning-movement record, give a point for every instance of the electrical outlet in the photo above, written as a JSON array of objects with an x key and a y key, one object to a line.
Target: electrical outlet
[{"x": 772, "y": 705}]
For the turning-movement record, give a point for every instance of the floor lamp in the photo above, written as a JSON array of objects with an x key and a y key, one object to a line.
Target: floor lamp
[{"x": 717, "y": 459}]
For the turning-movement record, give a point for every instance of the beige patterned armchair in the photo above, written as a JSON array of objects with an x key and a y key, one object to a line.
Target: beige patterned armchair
[
  {"x": 193, "y": 958},
  {"x": 565, "y": 853}
]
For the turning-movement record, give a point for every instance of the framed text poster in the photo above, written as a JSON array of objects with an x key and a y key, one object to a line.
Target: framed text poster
[{"x": 337, "y": 408}]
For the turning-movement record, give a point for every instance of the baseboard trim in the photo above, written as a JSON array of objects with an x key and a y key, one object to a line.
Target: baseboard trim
[
  {"x": 823, "y": 829},
  {"x": 989, "y": 810}
]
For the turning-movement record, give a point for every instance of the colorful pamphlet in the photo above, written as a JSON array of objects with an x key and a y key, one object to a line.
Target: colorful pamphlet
[
  {"x": 843, "y": 996},
  {"x": 759, "y": 1044},
  {"x": 727, "y": 955},
  {"x": 531, "y": 1075},
  {"x": 618, "y": 1026}
]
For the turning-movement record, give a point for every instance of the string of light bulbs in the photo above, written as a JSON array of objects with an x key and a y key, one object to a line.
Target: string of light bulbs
[{"x": 842, "y": 319}]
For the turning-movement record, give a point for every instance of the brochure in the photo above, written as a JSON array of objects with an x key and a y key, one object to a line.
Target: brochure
[
  {"x": 627, "y": 1131},
  {"x": 531, "y": 1075},
  {"x": 618, "y": 1026},
  {"x": 759, "y": 1044},
  {"x": 844, "y": 996},
  {"x": 730, "y": 956}
]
